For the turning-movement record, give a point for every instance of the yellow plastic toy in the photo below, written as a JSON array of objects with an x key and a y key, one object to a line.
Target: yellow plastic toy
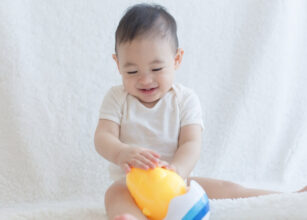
[{"x": 153, "y": 189}]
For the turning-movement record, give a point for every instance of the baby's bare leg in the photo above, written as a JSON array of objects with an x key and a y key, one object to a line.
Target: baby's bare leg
[
  {"x": 219, "y": 189},
  {"x": 303, "y": 190},
  {"x": 120, "y": 204}
]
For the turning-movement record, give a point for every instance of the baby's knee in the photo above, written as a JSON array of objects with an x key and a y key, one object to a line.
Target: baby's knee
[{"x": 117, "y": 188}]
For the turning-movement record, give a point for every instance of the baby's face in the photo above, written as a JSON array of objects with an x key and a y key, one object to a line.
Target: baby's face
[{"x": 147, "y": 67}]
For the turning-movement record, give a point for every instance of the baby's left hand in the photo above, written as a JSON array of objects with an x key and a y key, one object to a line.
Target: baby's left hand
[{"x": 166, "y": 165}]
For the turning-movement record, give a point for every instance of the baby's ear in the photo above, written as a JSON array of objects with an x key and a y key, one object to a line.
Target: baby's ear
[
  {"x": 114, "y": 56},
  {"x": 178, "y": 57}
]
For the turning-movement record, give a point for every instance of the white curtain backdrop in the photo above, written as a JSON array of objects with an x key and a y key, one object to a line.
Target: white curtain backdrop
[{"x": 245, "y": 59}]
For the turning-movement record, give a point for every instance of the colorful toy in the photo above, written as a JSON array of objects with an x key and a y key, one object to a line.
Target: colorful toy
[
  {"x": 194, "y": 205},
  {"x": 162, "y": 194}
]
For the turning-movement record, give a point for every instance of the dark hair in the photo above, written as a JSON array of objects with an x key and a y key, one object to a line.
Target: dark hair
[{"x": 144, "y": 19}]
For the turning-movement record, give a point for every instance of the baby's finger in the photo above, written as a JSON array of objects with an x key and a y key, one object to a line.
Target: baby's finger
[
  {"x": 126, "y": 168},
  {"x": 150, "y": 157},
  {"x": 166, "y": 165},
  {"x": 171, "y": 167},
  {"x": 153, "y": 153},
  {"x": 147, "y": 162},
  {"x": 139, "y": 164},
  {"x": 162, "y": 163}
]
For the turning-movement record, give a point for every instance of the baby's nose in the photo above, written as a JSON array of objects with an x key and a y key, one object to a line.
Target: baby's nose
[{"x": 145, "y": 79}]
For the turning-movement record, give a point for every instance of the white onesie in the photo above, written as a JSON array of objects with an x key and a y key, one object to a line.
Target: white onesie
[{"x": 156, "y": 128}]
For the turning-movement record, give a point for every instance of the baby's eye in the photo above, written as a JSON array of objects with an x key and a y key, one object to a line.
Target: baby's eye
[
  {"x": 132, "y": 72},
  {"x": 157, "y": 69}
]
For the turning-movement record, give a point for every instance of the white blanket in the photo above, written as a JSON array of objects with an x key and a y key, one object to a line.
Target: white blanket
[
  {"x": 245, "y": 59},
  {"x": 277, "y": 206}
]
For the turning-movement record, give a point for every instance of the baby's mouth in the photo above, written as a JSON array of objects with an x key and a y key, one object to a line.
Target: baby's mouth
[{"x": 148, "y": 91}]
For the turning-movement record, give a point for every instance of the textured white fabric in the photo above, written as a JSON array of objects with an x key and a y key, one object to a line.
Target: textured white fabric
[
  {"x": 288, "y": 206},
  {"x": 155, "y": 128},
  {"x": 246, "y": 60}
]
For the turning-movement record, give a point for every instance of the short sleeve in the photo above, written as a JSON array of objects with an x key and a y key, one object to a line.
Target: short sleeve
[
  {"x": 190, "y": 109},
  {"x": 112, "y": 104}
]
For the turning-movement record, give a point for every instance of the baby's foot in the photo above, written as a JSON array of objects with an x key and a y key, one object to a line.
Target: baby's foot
[
  {"x": 303, "y": 190},
  {"x": 125, "y": 217}
]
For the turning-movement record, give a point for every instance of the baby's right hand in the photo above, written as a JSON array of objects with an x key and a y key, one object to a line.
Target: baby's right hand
[{"x": 137, "y": 157}]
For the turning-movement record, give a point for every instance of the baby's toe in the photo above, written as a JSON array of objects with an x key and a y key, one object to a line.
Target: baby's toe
[{"x": 125, "y": 217}]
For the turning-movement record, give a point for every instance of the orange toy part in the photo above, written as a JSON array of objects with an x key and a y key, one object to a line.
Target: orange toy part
[{"x": 153, "y": 189}]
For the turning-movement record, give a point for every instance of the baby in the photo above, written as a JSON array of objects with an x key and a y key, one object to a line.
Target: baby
[{"x": 151, "y": 121}]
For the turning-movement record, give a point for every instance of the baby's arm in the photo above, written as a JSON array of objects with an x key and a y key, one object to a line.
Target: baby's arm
[
  {"x": 188, "y": 150},
  {"x": 109, "y": 146}
]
